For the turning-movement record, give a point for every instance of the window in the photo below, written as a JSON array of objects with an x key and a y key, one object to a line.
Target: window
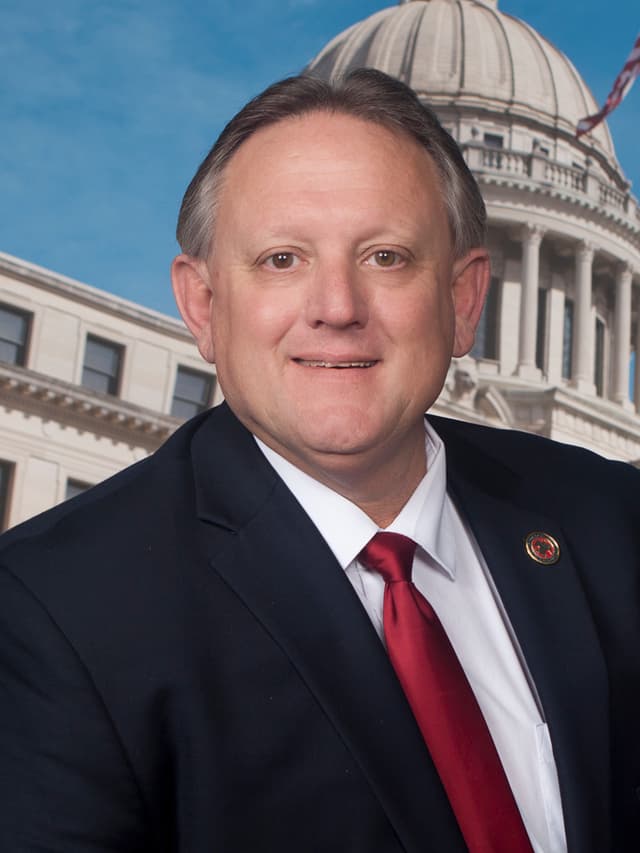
[
  {"x": 493, "y": 140},
  {"x": 6, "y": 473},
  {"x": 192, "y": 393},
  {"x": 598, "y": 371},
  {"x": 14, "y": 335},
  {"x": 75, "y": 488},
  {"x": 541, "y": 331},
  {"x": 567, "y": 340},
  {"x": 102, "y": 364},
  {"x": 492, "y": 158},
  {"x": 486, "y": 342}
]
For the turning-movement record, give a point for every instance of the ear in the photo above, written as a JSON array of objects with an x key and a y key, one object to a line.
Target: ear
[
  {"x": 192, "y": 291},
  {"x": 471, "y": 276}
]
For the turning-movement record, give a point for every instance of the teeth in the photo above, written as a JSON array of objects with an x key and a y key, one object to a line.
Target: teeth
[{"x": 338, "y": 364}]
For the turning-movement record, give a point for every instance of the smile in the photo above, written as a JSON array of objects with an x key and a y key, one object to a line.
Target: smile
[{"x": 340, "y": 365}]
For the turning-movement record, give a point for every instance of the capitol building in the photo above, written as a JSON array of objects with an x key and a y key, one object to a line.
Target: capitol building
[
  {"x": 554, "y": 350},
  {"x": 90, "y": 382}
]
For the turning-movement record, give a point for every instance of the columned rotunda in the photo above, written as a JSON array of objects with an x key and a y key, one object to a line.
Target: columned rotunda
[{"x": 556, "y": 345}]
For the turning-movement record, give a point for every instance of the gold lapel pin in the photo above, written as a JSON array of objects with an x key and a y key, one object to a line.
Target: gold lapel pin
[{"x": 542, "y": 547}]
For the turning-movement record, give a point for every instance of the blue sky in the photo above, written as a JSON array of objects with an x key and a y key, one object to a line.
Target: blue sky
[{"x": 108, "y": 107}]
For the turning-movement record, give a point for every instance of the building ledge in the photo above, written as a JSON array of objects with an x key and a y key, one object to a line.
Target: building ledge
[
  {"x": 74, "y": 406},
  {"x": 20, "y": 270}
]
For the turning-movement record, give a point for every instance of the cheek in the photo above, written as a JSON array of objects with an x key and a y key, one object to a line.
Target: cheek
[
  {"x": 248, "y": 327},
  {"x": 269, "y": 318},
  {"x": 427, "y": 322},
  {"x": 442, "y": 319}
]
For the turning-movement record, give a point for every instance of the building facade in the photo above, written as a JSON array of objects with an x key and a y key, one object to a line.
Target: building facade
[
  {"x": 554, "y": 352},
  {"x": 89, "y": 383}
]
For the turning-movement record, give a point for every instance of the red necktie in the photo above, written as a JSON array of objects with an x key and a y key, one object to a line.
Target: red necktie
[{"x": 444, "y": 706}]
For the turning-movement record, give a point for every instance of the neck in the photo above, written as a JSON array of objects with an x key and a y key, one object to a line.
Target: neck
[
  {"x": 380, "y": 484},
  {"x": 383, "y": 497}
]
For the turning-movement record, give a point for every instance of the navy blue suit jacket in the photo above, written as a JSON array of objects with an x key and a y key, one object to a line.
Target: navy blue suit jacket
[{"x": 184, "y": 666}]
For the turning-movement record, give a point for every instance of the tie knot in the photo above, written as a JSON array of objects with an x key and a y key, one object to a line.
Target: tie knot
[{"x": 389, "y": 554}]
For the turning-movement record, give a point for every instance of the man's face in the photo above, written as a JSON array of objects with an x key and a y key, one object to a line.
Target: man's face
[{"x": 331, "y": 303}]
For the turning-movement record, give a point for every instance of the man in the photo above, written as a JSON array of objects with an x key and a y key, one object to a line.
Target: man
[{"x": 196, "y": 655}]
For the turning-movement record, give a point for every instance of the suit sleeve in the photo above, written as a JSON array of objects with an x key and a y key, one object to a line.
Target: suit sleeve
[{"x": 65, "y": 783}]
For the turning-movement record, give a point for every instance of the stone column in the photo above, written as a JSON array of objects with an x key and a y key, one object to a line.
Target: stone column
[
  {"x": 555, "y": 329},
  {"x": 582, "y": 378},
  {"x": 531, "y": 239},
  {"x": 622, "y": 337}
]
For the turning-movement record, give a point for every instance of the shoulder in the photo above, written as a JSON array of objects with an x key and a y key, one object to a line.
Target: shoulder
[
  {"x": 115, "y": 495},
  {"x": 110, "y": 523},
  {"x": 138, "y": 534},
  {"x": 534, "y": 458},
  {"x": 511, "y": 444},
  {"x": 122, "y": 554}
]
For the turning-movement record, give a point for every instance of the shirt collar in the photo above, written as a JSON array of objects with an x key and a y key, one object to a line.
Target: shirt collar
[{"x": 425, "y": 517}]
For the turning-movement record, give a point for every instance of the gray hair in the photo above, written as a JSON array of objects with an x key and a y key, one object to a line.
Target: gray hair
[{"x": 366, "y": 94}]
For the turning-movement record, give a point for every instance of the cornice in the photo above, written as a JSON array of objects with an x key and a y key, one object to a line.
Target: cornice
[{"x": 73, "y": 406}]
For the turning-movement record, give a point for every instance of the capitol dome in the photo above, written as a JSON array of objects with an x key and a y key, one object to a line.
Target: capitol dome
[
  {"x": 556, "y": 345},
  {"x": 468, "y": 53}
]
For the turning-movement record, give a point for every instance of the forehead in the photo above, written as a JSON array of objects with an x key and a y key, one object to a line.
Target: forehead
[{"x": 323, "y": 151}]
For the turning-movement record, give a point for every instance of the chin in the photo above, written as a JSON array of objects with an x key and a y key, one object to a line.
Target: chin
[{"x": 338, "y": 440}]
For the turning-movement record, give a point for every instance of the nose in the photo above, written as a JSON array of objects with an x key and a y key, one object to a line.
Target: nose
[{"x": 336, "y": 297}]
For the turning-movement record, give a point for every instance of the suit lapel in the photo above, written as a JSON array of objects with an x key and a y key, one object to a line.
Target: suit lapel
[
  {"x": 279, "y": 566},
  {"x": 551, "y": 618}
]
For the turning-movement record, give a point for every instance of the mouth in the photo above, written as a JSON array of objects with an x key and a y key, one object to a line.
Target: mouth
[{"x": 335, "y": 365}]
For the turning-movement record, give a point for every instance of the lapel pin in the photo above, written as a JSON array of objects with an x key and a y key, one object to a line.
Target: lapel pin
[{"x": 542, "y": 547}]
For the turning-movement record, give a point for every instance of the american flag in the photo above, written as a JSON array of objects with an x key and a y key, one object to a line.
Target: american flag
[{"x": 623, "y": 83}]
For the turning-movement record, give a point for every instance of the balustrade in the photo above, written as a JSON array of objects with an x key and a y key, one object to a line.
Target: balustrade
[
  {"x": 611, "y": 197},
  {"x": 506, "y": 161},
  {"x": 536, "y": 167},
  {"x": 565, "y": 176}
]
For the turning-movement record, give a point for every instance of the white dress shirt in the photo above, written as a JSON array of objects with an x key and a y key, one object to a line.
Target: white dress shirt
[{"x": 450, "y": 571}]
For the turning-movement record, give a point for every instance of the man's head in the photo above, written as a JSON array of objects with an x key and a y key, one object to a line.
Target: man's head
[
  {"x": 334, "y": 285},
  {"x": 366, "y": 94}
]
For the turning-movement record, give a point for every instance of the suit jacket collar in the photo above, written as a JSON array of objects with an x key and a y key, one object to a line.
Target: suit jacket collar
[{"x": 231, "y": 476}]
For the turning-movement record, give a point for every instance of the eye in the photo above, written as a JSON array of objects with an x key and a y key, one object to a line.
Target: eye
[
  {"x": 281, "y": 261},
  {"x": 385, "y": 258}
]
